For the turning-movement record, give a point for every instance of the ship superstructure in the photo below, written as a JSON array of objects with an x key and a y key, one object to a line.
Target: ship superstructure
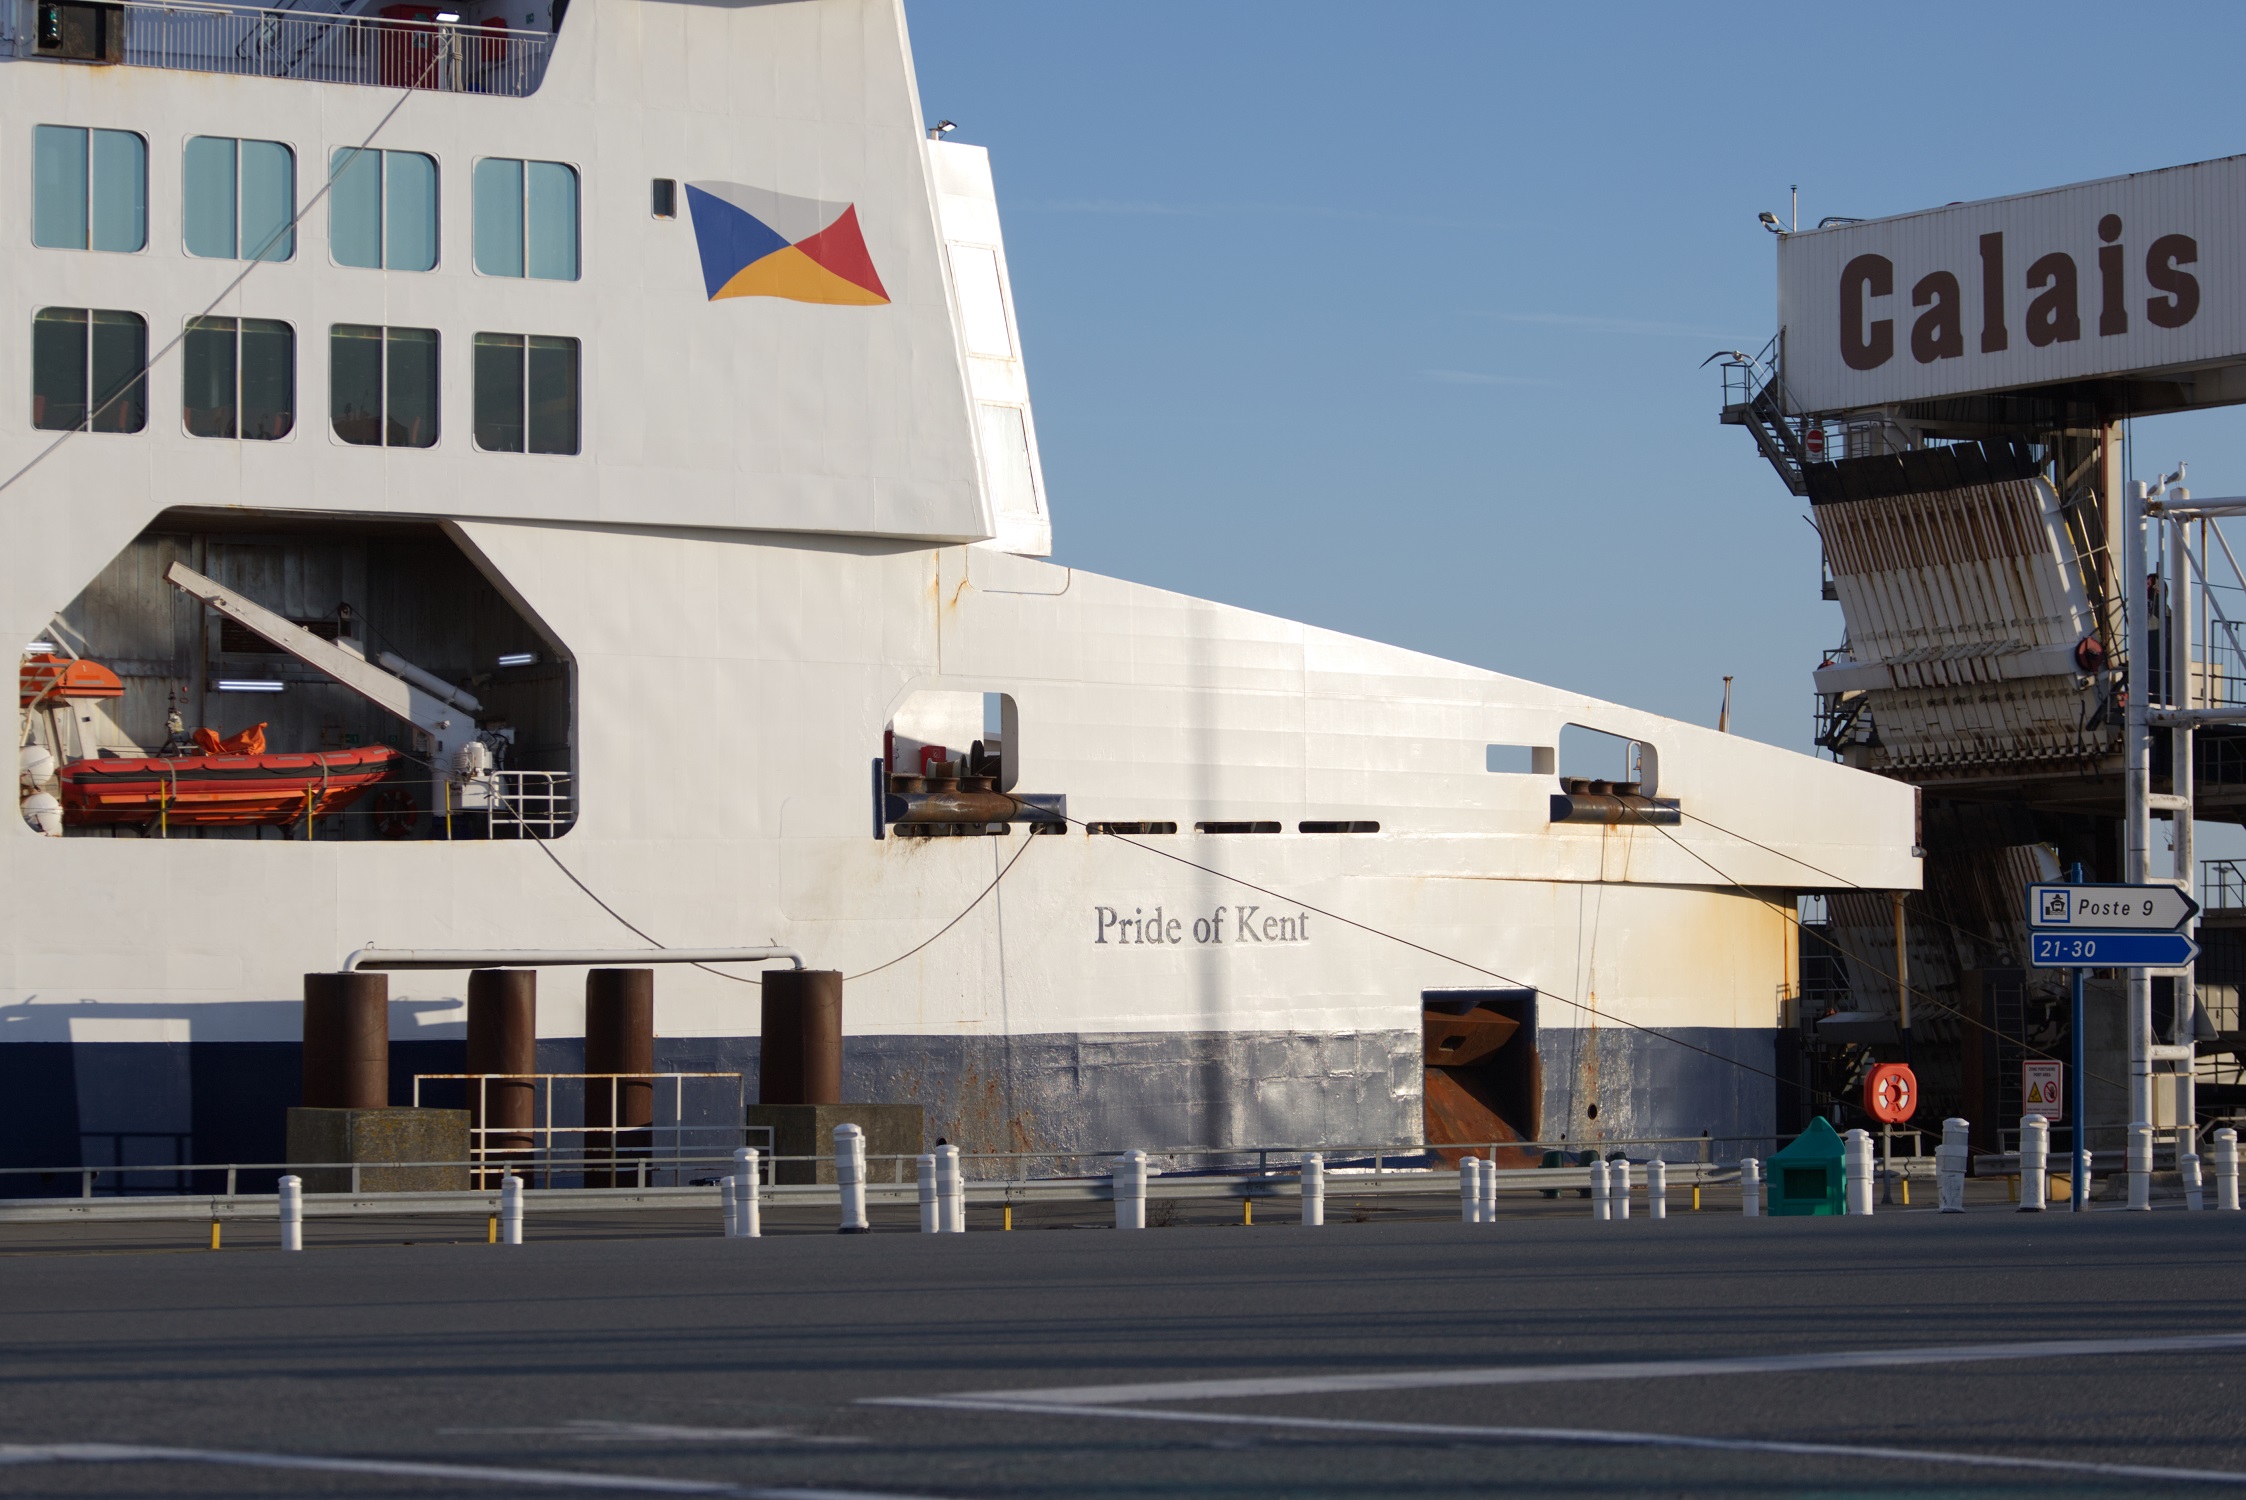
[{"x": 614, "y": 422}]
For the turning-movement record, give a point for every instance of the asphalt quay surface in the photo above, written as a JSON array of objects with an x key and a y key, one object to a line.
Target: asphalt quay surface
[{"x": 2094, "y": 1354}]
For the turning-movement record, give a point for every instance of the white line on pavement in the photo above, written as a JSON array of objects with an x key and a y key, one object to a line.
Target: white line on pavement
[
  {"x": 1588, "y": 1436},
  {"x": 1663, "y": 1369},
  {"x": 645, "y": 1484},
  {"x": 590, "y": 1430}
]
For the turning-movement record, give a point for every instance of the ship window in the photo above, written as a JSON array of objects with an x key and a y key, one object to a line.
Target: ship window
[
  {"x": 239, "y": 378},
  {"x": 526, "y": 219},
  {"x": 89, "y": 370},
  {"x": 1520, "y": 760},
  {"x": 1259, "y": 826},
  {"x": 382, "y": 209},
  {"x": 1006, "y": 470},
  {"x": 382, "y": 385},
  {"x": 526, "y": 393},
  {"x": 1129, "y": 828},
  {"x": 89, "y": 189},
  {"x": 663, "y": 201},
  {"x": 1355, "y": 825},
  {"x": 238, "y": 199},
  {"x": 982, "y": 301},
  {"x": 1595, "y": 755}
]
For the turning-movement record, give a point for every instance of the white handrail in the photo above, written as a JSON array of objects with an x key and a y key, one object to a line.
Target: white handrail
[{"x": 371, "y": 957}]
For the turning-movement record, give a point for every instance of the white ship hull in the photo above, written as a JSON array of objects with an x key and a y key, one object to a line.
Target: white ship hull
[{"x": 745, "y": 586}]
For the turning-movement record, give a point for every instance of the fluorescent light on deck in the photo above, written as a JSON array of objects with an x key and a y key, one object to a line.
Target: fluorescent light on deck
[
  {"x": 249, "y": 685},
  {"x": 518, "y": 659}
]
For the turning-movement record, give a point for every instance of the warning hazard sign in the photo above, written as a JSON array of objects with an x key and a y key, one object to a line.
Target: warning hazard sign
[{"x": 2043, "y": 1089}]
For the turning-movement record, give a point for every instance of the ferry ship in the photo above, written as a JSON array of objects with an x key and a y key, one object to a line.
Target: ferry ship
[{"x": 563, "y": 477}]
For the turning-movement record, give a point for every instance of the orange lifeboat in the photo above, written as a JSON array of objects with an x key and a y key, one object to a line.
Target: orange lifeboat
[
  {"x": 219, "y": 790},
  {"x": 46, "y": 676}
]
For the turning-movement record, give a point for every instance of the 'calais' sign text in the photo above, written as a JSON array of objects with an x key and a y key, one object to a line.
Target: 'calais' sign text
[{"x": 2129, "y": 273}]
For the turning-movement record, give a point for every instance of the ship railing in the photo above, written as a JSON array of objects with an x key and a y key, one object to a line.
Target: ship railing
[
  {"x": 315, "y": 48},
  {"x": 649, "y": 1152},
  {"x": 2222, "y": 884},
  {"x": 532, "y": 804}
]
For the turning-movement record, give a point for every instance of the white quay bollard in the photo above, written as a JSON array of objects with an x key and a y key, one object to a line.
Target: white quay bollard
[
  {"x": 2226, "y": 1170},
  {"x": 1950, "y": 1161},
  {"x": 2140, "y": 1166},
  {"x": 951, "y": 1190},
  {"x": 2035, "y": 1163},
  {"x": 1618, "y": 1189},
  {"x": 1856, "y": 1172},
  {"x": 510, "y": 1210},
  {"x": 729, "y": 1194},
  {"x": 931, "y": 1209},
  {"x": 850, "y": 1178},
  {"x": 1470, "y": 1190},
  {"x": 292, "y": 1213},
  {"x": 1657, "y": 1189},
  {"x": 1489, "y": 1189},
  {"x": 2195, "y": 1195},
  {"x": 1130, "y": 1190},
  {"x": 1750, "y": 1188},
  {"x": 1601, "y": 1189},
  {"x": 1313, "y": 1189},
  {"x": 728, "y": 1216},
  {"x": 748, "y": 1215}
]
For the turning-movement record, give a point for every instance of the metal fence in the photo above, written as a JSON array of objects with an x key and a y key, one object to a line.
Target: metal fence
[
  {"x": 319, "y": 48},
  {"x": 666, "y": 1148},
  {"x": 631, "y": 1166}
]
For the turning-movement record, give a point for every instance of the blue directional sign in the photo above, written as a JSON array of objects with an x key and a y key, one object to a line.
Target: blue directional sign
[
  {"x": 2159, "y": 907},
  {"x": 2111, "y": 950}
]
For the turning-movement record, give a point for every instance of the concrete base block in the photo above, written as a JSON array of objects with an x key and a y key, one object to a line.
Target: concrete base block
[
  {"x": 808, "y": 1130},
  {"x": 374, "y": 1137}
]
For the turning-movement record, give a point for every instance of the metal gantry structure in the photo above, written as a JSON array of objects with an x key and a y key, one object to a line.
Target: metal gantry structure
[{"x": 2183, "y": 662}]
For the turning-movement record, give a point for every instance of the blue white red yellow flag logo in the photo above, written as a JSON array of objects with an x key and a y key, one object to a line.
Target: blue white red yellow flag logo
[{"x": 758, "y": 243}]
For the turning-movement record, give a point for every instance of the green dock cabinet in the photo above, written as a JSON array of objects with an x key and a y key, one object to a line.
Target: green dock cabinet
[{"x": 1805, "y": 1176}]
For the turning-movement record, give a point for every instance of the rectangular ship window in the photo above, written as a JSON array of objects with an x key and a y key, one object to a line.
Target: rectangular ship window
[
  {"x": 1131, "y": 828},
  {"x": 1264, "y": 826},
  {"x": 89, "y": 189},
  {"x": 382, "y": 209},
  {"x": 1360, "y": 825},
  {"x": 89, "y": 370},
  {"x": 526, "y": 219},
  {"x": 1521, "y": 760},
  {"x": 238, "y": 199},
  {"x": 382, "y": 385},
  {"x": 1006, "y": 471},
  {"x": 663, "y": 200},
  {"x": 526, "y": 393},
  {"x": 238, "y": 378}
]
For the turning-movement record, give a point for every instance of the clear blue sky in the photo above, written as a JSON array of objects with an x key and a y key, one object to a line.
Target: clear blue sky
[{"x": 1388, "y": 317}]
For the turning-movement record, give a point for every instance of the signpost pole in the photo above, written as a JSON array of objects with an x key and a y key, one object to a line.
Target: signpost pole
[{"x": 2078, "y": 1128}]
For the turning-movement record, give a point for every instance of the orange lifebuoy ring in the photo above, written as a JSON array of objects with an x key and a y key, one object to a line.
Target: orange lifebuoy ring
[{"x": 1891, "y": 1093}]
